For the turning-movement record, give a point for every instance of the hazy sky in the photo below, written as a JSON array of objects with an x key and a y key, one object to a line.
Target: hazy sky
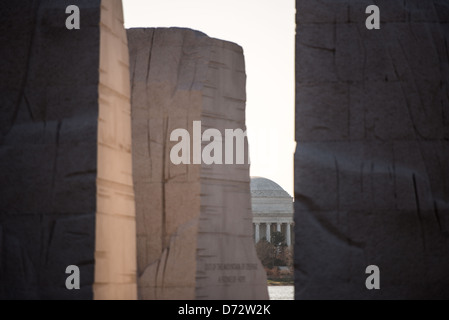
[{"x": 265, "y": 29}]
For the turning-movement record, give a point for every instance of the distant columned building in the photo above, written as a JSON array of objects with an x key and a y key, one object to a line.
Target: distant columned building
[{"x": 272, "y": 210}]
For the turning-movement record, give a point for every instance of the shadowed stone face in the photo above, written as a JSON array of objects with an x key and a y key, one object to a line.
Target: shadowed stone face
[
  {"x": 193, "y": 221},
  {"x": 48, "y": 150},
  {"x": 371, "y": 173},
  {"x": 65, "y": 152}
]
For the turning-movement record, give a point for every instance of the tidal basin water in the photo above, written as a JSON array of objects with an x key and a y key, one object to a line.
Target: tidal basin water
[{"x": 281, "y": 292}]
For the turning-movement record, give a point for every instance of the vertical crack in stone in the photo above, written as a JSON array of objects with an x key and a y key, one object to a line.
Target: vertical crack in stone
[
  {"x": 27, "y": 67},
  {"x": 134, "y": 74},
  {"x": 41, "y": 263},
  {"x": 437, "y": 216},
  {"x": 364, "y": 54},
  {"x": 27, "y": 103},
  {"x": 149, "y": 56},
  {"x": 50, "y": 239},
  {"x": 164, "y": 181},
  {"x": 55, "y": 158},
  {"x": 418, "y": 212},
  {"x": 446, "y": 47},
  {"x": 164, "y": 270},
  {"x": 395, "y": 178},
  {"x": 362, "y": 165},
  {"x": 150, "y": 159},
  {"x": 156, "y": 276},
  {"x": 337, "y": 172},
  {"x": 406, "y": 98}
]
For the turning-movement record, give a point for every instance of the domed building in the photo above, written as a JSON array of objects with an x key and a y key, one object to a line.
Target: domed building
[{"x": 272, "y": 209}]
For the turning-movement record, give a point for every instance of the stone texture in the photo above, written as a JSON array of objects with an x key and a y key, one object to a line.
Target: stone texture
[
  {"x": 115, "y": 241},
  {"x": 65, "y": 112},
  {"x": 194, "y": 222},
  {"x": 371, "y": 173}
]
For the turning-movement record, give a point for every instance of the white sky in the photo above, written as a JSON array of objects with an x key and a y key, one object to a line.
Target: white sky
[{"x": 266, "y": 30}]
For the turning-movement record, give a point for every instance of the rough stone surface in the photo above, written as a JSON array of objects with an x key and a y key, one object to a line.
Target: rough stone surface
[
  {"x": 115, "y": 238},
  {"x": 194, "y": 235},
  {"x": 371, "y": 165},
  {"x": 56, "y": 89}
]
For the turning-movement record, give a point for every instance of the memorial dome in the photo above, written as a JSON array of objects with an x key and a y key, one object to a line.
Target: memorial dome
[
  {"x": 263, "y": 187},
  {"x": 272, "y": 209},
  {"x": 268, "y": 198}
]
